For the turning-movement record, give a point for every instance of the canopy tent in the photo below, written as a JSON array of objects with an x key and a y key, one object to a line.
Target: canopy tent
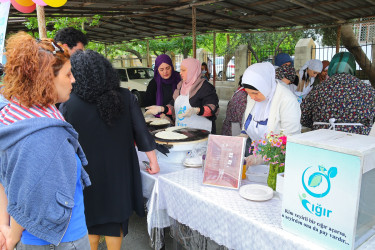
[{"x": 125, "y": 20}]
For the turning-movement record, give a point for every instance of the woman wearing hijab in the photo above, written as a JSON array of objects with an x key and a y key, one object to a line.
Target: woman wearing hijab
[
  {"x": 307, "y": 75},
  {"x": 285, "y": 75},
  {"x": 283, "y": 59},
  {"x": 270, "y": 105},
  {"x": 195, "y": 103},
  {"x": 161, "y": 87},
  {"x": 235, "y": 111},
  {"x": 343, "y": 102},
  {"x": 322, "y": 76}
]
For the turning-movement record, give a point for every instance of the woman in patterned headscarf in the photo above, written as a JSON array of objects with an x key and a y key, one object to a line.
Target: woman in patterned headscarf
[
  {"x": 285, "y": 75},
  {"x": 343, "y": 102}
]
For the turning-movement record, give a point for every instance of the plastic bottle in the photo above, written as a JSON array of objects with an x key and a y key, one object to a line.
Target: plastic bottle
[{"x": 244, "y": 170}]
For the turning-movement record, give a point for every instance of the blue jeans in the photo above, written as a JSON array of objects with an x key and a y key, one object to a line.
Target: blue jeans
[{"x": 81, "y": 244}]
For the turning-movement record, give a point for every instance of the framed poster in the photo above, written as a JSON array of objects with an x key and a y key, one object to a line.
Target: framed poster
[{"x": 224, "y": 161}]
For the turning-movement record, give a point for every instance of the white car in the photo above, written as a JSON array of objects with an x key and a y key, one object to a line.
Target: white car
[
  {"x": 135, "y": 78},
  {"x": 219, "y": 68}
]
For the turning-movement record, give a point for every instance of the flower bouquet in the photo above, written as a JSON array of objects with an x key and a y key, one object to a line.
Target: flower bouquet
[{"x": 272, "y": 149}]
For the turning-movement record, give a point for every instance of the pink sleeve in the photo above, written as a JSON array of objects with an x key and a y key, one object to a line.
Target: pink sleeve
[
  {"x": 169, "y": 111},
  {"x": 207, "y": 111}
]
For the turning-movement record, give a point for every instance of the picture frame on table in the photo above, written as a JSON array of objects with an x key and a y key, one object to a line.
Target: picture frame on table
[{"x": 224, "y": 161}]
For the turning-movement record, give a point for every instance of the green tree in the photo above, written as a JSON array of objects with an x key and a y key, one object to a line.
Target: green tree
[{"x": 54, "y": 24}]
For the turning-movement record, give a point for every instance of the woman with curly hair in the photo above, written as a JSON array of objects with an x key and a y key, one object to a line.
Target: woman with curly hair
[
  {"x": 108, "y": 121},
  {"x": 41, "y": 173}
]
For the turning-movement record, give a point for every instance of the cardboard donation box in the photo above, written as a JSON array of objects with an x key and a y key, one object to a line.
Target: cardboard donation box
[{"x": 329, "y": 188}]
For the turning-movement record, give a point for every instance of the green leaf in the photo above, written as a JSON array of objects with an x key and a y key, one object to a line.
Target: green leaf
[
  {"x": 322, "y": 169},
  {"x": 315, "y": 180}
]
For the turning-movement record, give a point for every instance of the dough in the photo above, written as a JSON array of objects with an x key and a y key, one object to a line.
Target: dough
[
  {"x": 159, "y": 122},
  {"x": 151, "y": 119},
  {"x": 167, "y": 135},
  {"x": 170, "y": 129}
]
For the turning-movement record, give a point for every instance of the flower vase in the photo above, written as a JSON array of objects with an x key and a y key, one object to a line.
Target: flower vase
[{"x": 272, "y": 174}]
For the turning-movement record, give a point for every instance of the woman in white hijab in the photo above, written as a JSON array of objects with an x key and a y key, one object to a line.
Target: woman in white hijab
[
  {"x": 270, "y": 105},
  {"x": 307, "y": 75}
]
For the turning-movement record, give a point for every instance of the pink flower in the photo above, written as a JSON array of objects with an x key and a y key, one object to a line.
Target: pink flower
[
  {"x": 282, "y": 164},
  {"x": 283, "y": 139}
]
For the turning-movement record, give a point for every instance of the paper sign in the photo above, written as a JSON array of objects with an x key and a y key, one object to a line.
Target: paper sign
[{"x": 224, "y": 161}]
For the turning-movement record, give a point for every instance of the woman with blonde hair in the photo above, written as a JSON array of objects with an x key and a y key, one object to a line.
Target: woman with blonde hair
[{"x": 41, "y": 173}]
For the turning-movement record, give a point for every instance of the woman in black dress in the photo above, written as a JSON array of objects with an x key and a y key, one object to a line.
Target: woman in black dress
[{"x": 108, "y": 121}]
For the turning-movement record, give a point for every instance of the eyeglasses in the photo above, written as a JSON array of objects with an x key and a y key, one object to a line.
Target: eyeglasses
[{"x": 57, "y": 48}]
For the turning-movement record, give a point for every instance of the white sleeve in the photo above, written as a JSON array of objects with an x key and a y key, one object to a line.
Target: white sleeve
[{"x": 290, "y": 116}]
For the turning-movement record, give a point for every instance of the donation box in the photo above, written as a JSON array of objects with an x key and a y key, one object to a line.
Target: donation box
[{"x": 329, "y": 188}]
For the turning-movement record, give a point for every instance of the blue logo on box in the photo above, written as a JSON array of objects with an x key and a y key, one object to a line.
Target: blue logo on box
[{"x": 317, "y": 186}]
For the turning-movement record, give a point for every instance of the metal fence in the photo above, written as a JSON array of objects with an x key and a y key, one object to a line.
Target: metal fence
[
  {"x": 268, "y": 55},
  {"x": 327, "y": 52}
]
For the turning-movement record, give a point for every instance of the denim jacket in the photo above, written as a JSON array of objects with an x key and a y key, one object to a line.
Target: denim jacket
[{"x": 38, "y": 170}]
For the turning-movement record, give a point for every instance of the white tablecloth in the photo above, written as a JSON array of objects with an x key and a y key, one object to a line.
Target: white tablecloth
[
  {"x": 148, "y": 180},
  {"x": 221, "y": 214}
]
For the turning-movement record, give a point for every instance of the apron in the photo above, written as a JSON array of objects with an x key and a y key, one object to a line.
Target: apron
[
  {"x": 255, "y": 130},
  {"x": 181, "y": 105}
]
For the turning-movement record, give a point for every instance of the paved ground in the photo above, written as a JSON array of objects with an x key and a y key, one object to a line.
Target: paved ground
[{"x": 137, "y": 238}]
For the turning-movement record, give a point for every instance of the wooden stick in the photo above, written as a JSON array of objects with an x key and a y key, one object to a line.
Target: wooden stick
[{"x": 41, "y": 21}]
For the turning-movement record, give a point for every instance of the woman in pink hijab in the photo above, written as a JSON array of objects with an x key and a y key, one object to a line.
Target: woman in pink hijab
[{"x": 195, "y": 103}]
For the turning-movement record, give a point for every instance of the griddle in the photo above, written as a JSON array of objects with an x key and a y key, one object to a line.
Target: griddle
[{"x": 193, "y": 135}]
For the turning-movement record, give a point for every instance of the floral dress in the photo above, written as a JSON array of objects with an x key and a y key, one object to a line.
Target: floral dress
[
  {"x": 343, "y": 97},
  {"x": 235, "y": 111}
]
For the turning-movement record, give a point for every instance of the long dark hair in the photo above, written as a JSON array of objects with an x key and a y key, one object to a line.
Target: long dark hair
[{"x": 97, "y": 82}]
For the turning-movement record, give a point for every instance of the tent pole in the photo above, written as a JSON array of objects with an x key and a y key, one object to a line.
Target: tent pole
[{"x": 41, "y": 22}]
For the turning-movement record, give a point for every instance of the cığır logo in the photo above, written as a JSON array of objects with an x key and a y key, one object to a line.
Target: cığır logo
[
  {"x": 180, "y": 113},
  {"x": 318, "y": 186}
]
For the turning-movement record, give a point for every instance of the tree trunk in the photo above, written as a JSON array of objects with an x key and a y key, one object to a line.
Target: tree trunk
[
  {"x": 277, "y": 48},
  {"x": 136, "y": 53},
  {"x": 351, "y": 44},
  {"x": 227, "y": 58},
  {"x": 249, "y": 47},
  {"x": 185, "y": 51}
]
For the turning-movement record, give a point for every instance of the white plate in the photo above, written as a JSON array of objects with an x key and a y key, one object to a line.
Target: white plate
[
  {"x": 256, "y": 192},
  {"x": 192, "y": 166}
]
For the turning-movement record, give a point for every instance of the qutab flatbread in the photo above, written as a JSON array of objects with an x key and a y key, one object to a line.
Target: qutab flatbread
[
  {"x": 170, "y": 129},
  {"x": 168, "y": 135},
  {"x": 159, "y": 122}
]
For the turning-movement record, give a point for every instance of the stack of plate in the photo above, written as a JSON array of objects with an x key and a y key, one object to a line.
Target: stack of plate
[
  {"x": 193, "y": 162},
  {"x": 256, "y": 192}
]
